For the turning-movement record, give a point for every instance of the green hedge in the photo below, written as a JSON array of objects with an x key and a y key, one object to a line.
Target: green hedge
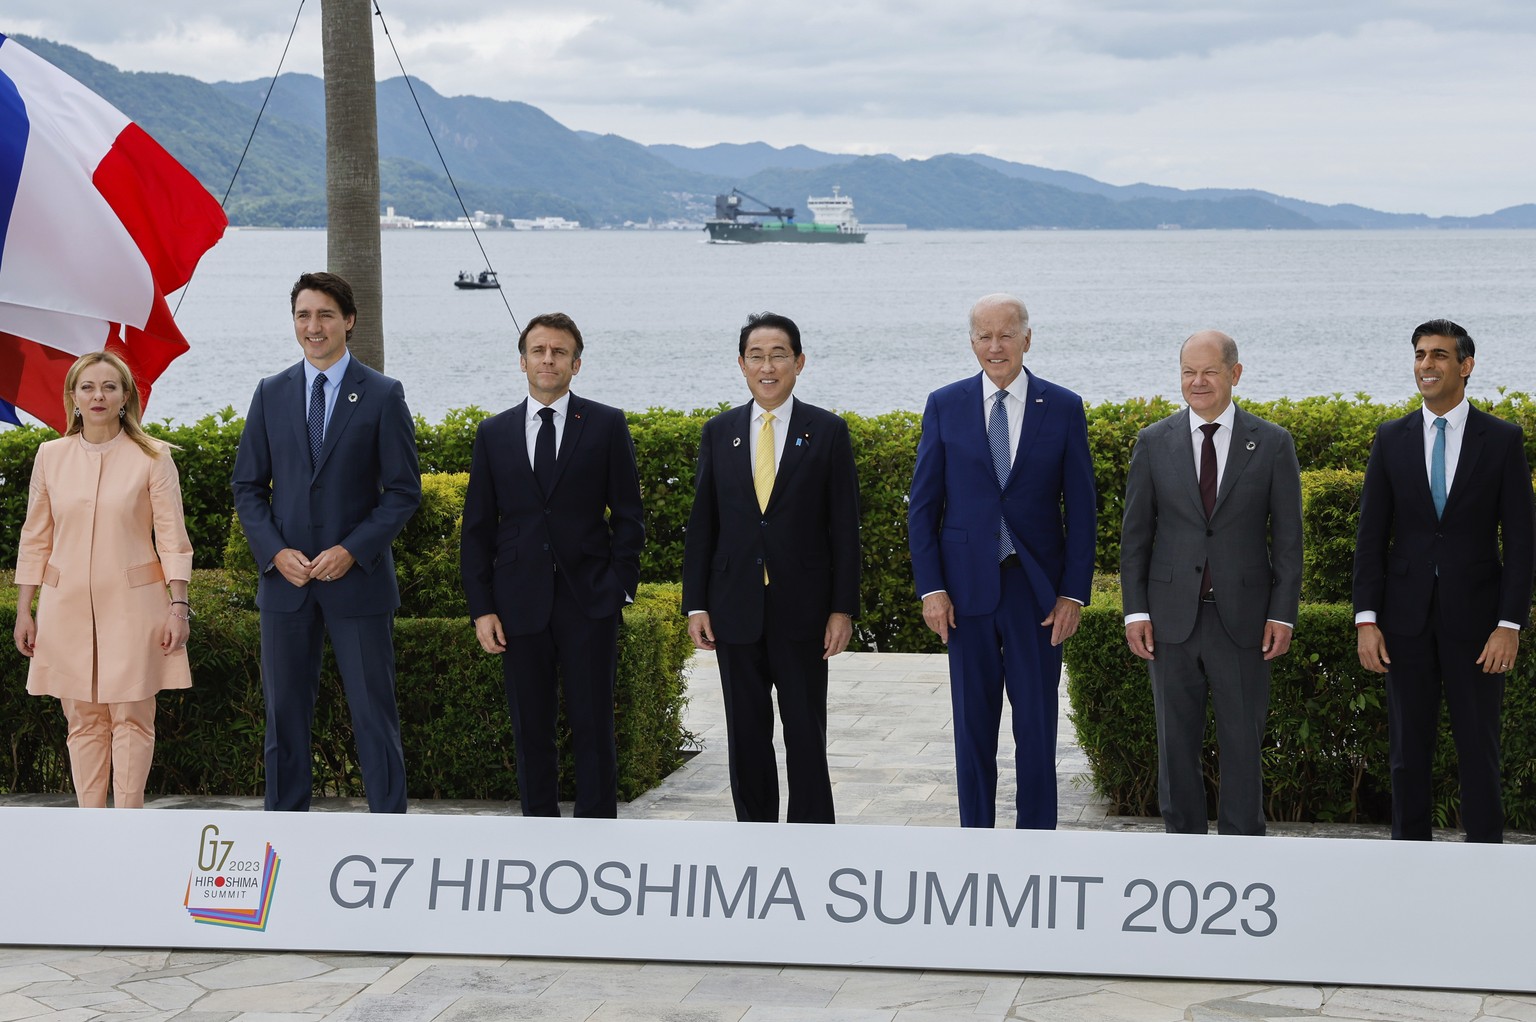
[
  {"x": 1331, "y": 433},
  {"x": 1326, "y": 751},
  {"x": 454, "y": 721}
]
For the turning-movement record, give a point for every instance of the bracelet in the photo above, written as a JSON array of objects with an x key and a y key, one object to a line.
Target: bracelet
[{"x": 190, "y": 612}]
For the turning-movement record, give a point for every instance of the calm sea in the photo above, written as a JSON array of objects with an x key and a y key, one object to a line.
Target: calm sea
[{"x": 1313, "y": 312}]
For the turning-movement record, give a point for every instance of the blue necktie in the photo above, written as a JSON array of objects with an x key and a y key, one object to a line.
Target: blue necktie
[
  {"x": 316, "y": 420},
  {"x": 1437, "y": 468},
  {"x": 997, "y": 439}
]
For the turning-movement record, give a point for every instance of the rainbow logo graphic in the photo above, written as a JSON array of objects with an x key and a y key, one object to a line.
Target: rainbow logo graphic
[{"x": 240, "y": 900}]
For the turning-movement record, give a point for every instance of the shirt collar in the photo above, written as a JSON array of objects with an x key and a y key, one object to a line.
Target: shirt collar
[
  {"x": 559, "y": 404},
  {"x": 1019, "y": 388},
  {"x": 1454, "y": 419},
  {"x": 1227, "y": 417},
  {"x": 333, "y": 376},
  {"x": 781, "y": 413}
]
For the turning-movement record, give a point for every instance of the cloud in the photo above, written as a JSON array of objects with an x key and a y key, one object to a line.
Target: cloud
[{"x": 1408, "y": 105}]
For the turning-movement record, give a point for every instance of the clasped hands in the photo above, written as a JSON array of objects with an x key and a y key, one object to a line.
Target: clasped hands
[{"x": 327, "y": 566}]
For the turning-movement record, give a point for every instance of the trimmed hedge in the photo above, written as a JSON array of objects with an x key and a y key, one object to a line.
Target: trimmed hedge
[
  {"x": 1331, "y": 433},
  {"x": 1326, "y": 756},
  {"x": 454, "y": 721}
]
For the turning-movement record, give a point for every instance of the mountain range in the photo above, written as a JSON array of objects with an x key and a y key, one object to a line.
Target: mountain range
[{"x": 512, "y": 158}]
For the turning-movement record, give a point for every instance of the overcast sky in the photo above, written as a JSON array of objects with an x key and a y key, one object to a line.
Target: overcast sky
[{"x": 1406, "y": 106}]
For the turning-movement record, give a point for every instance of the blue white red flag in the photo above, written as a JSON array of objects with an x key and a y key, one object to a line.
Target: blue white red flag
[{"x": 98, "y": 224}]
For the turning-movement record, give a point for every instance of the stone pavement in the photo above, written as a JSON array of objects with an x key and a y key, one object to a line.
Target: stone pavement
[{"x": 890, "y": 748}]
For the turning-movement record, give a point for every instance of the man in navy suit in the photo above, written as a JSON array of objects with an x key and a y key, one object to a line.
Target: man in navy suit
[
  {"x": 324, "y": 480},
  {"x": 549, "y": 556},
  {"x": 1001, "y": 525},
  {"x": 1443, "y": 569},
  {"x": 771, "y": 571}
]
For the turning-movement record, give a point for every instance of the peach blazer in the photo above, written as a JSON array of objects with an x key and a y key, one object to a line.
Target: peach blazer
[{"x": 104, "y": 531}]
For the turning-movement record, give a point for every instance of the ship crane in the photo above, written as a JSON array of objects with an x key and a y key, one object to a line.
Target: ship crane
[{"x": 728, "y": 207}]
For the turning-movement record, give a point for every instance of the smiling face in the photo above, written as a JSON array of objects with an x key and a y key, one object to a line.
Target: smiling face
[
  {"x": 999, "y": 339},
  {"x": 320, "y": 327},
  {"x": 1204, "y": 375},
  {"x": 1441, "y": 376},
  {"x": 770, "y": 366},
  {"x": 100, "y": 396},
  {"x": 550, "y": 360}
]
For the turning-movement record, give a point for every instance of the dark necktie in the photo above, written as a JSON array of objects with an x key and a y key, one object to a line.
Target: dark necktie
[
  {"x": 1208, "y": 487},
  {"x": 316, "y": 419},
  {"x": 544, "y": 451},
  {"x": 997, "y": 439}
]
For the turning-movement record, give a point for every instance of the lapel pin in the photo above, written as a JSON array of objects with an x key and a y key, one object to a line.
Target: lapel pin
[
  {"x": 736, "y": 442},
  {"x": 1039, "y": 400},
  {"x": 1252, "y": 445},
  {"x": 576, "y": 415},
  {"x": 352, "y": 397}
]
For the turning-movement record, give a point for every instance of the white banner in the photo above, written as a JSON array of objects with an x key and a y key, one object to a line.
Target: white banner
[{"x": 1275, "y": 909}]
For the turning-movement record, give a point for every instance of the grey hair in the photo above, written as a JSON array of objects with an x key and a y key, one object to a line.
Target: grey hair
[
  {"x": 1227, "y": 344},
  {"x": 1001, "y": 298}
]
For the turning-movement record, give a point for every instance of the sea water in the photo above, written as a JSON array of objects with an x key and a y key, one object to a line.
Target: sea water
[{"x": 1314, "y": 312}]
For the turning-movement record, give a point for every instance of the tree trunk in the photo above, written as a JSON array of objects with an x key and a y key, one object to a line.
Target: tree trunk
[{"x": 352, "y": 167}]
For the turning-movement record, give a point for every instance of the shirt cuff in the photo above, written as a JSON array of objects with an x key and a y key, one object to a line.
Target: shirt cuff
[
  {"x": 691, "y": 613},
  {"x": 1287, "y": 624},
  {"x": 1509, "y": 624},
  {"x": 1131, "y": 619},
  {"x": 934, "y": 593},
  {"x": 1365, "y": 617}
]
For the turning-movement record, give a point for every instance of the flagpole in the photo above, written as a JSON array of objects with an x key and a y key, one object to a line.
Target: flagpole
[{"x": 352, "y": 167}]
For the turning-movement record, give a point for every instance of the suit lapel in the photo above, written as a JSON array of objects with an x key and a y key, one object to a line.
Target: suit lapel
[
  {"x": 295, "y": 399},
  {"x": 1411, "y": 444},
  {"x": 575, "y": 423},
  {"x": 797, "y": 447},
  {"x": 1466, "y": 464},
  {"x": 518, "y": 441},
  {"x": 1181, "y": 457},
  {"x": 1244, "y": 445},
  {"x": 736, "y": 459},
  {"x": 1036, "y": 407}
]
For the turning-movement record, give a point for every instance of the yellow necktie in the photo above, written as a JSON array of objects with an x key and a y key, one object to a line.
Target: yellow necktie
[{"x": 762, "y": 470}]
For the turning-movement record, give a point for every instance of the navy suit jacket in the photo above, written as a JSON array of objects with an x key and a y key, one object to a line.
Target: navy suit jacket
[
  {"x": 1048, "y": 501},
  {"x": 808, "y": 535},
  {"x": 1401, "y": 545},
  {"x": 518, "y": 542},
  {"x": 364, "y": 489}
]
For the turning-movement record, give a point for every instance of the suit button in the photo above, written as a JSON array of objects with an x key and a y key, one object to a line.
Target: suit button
[
  {"x": 546, "y": 546},
  {"x": 1200, "y": 568},
  {"x": 759, "y": 560},
  {"x": 763, "y": 523},
  {"x": 1209, "y": 532}
]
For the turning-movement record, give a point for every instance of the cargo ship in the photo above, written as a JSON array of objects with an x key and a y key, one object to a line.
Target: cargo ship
[{"x": 834, "y": 220}]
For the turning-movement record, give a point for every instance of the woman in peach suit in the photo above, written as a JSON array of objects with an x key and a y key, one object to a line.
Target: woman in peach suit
[{"x": 104, "y": 536}]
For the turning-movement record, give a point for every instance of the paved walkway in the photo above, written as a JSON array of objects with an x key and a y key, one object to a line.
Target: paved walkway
[{"x": 891, "y": 755}]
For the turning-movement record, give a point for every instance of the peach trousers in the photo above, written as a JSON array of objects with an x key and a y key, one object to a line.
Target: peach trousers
[{"x": 115, "y": 740}]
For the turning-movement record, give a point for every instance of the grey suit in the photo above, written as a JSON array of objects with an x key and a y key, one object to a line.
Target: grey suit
[{"x": 1252, "y": 543}]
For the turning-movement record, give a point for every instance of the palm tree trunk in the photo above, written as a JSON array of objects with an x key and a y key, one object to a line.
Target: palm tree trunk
[{"x": 352, "y": 167}]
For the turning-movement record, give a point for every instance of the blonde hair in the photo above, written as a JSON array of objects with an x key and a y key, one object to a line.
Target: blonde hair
[{"x": 133, "y": 406}]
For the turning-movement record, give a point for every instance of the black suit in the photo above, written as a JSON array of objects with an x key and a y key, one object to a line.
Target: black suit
[
  {"x": 359, "y": 495},
  {"x": 1439, "y": 588},
  {"x": 557, "y": 569},
  {"x": 772, "y": 636}
]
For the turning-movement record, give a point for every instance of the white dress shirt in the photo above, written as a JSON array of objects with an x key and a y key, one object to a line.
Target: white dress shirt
[
  {"x": 1455, "y": 433},
  {"x": 532, "y": 423},
  {"x": 333, "y": 378}
]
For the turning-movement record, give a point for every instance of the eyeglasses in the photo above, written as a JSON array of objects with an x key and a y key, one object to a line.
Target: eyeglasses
[{"x": 778, "y": 358}]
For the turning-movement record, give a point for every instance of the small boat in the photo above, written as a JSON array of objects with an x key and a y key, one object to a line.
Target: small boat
[{"x": 483, "y": 281}]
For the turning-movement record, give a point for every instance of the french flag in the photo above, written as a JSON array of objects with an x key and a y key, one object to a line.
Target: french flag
[{"x": 97, "y": 225}]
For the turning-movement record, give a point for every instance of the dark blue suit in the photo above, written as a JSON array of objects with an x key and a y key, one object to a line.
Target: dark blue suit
[
  {"x": 360, "y": 494},
  {"x": 998, "y": 643},
  {"x": 556, "y": 569}
]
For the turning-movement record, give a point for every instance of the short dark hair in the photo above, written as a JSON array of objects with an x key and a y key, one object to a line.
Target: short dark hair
[
  {"x": 1465, "y": 349},
  {"x": 331, "y": 284},
  {"x": 555, "y": 321},
  {"x": 773, "y": 321}
]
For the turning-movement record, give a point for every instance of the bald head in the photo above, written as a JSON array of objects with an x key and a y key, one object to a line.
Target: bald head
[{"x": 1208, "y": 370}]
